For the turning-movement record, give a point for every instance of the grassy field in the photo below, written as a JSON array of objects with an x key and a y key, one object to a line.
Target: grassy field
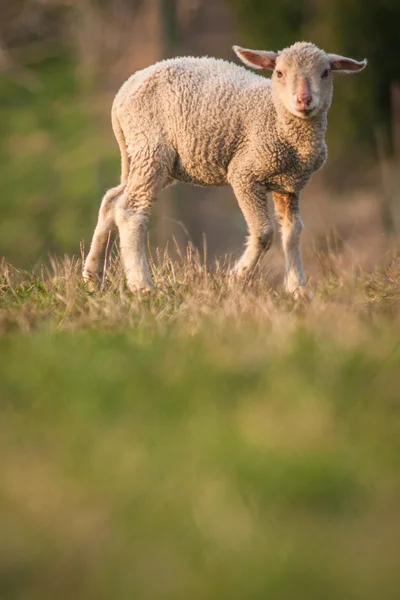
[{"x": 213, "y": 440}]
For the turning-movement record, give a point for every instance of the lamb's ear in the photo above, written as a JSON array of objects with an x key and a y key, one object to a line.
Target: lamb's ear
[
  {"x": 257, "y": 59},
  {"x": 346, "y": 65}
]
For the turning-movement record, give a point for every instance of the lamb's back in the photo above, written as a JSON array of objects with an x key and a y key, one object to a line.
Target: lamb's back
[{"x": 203, "y": 107}]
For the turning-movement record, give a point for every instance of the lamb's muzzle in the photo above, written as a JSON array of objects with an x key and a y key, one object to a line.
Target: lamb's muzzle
[{"x": 303, "y": 96}]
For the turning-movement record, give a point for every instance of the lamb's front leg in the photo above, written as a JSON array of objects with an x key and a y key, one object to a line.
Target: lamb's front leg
[
  {"x": 253, "y": 201},
  {"x": 287, "y": 207}
]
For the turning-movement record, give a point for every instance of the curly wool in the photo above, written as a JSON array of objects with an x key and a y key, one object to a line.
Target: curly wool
[{"x": 207, "y": 117}]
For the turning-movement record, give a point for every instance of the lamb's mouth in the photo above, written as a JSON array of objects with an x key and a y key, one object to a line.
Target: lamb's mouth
[{"x": 305, "y": 113}]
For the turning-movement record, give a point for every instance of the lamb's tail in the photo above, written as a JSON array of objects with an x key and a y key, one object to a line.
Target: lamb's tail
[{"x": 119, "y": 134}]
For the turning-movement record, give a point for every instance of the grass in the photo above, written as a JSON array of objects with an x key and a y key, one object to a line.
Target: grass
[{"x": 211, "y": 440}]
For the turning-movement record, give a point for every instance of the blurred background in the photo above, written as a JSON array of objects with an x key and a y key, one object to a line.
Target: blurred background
[{"x": 62, "y": 61}]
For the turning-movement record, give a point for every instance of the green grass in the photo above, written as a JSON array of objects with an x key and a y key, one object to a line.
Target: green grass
[{"x": 214, "y": 440}]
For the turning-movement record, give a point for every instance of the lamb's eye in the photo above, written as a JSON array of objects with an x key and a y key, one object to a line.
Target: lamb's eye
[
  {"x": 325, "y": 74},
  {"x": 279, "y": 74}
]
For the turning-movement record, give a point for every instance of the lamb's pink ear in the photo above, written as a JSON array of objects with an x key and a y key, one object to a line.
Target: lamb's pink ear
[
  {"x": 346, "y": 65},
  {"x": 257, "y": 59}
]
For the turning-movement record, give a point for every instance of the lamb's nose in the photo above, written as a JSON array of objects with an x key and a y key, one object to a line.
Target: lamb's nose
[
  {"x": 303, "y": 93},
  {"x": 304, "y": 101}
]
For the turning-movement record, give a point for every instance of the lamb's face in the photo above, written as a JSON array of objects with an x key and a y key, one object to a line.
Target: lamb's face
[
  {"x": 302, "y": 75},
  {"x": 302, "y": 81}
]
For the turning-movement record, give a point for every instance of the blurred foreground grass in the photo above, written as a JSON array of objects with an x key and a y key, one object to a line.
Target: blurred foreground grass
[{"x": 213, "y": 440}]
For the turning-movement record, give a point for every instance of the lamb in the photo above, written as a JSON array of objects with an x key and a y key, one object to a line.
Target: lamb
[{"x": 210, "y": 122}]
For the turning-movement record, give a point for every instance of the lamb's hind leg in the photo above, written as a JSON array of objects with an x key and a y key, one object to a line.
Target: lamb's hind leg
[
  {"x": 103, "y": 237},
  {"x": 252, "y": 198}
]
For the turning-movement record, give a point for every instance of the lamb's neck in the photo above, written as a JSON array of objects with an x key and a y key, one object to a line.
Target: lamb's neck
[{"x": 308, "y": 135}]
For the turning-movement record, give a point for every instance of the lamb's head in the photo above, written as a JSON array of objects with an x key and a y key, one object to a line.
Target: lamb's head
[{"x": 302, "y": 75}]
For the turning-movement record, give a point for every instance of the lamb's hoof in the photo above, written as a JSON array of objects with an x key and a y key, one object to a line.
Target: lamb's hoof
[
  {"x": 304, "y": 295},
  {"x": 142, "y": 289},
  {"x": 239, "y": 272},
  {"x": 92, "y": 280}
]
